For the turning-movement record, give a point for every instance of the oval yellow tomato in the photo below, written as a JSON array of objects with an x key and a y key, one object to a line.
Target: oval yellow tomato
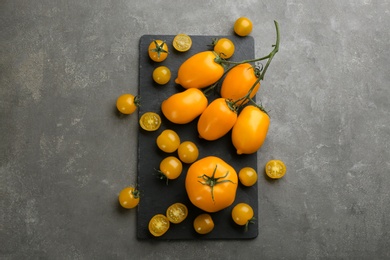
[
  {"x": 238, "y": 81},
  {"x": 250, "y": 130},
  {"x": 183, "y": 107},
  {"x": 200, "y": 70},
  {"x": 217, "y": 119},
  {"x": 211, "y": 184}
]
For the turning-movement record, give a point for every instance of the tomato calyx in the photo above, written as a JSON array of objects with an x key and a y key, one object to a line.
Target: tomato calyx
[
  {"x": 213, "y": 181},
  {"x": 159, "y": 48},
  {"x": 231, "y": 105}
]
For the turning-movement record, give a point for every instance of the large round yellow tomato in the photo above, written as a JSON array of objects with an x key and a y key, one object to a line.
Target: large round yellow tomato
[
  {"x": 238, "y": 81},
  {"x": 250, "y": 130},
  {"x": 211, "y": 184},
  {"x": 183, "y": 107},
  {"x": 200, "y": 70}
]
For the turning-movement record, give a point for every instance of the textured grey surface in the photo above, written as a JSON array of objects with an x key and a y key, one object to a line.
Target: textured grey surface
[{"x": 65, "y": 154}]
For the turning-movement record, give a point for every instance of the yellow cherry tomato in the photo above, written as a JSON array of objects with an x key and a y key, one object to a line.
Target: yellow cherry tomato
[
  {"x": 242, "y": 214},
  {"x": 183, "y": 107},
  {"x": 243, "y": 26},
  {"x": 275, "y": 169},
  {"x": 217, "y": 119},
  {"x": 127, "y": 103},
  {"x": 250, "y": 130},
  {"x": 168, "y": 141},
  {"x": 224, "y": 47},
  {"x": 129, "y": 197},
  {"x": 238, "y": 81},
  {"x": 161, "y": 75},
  {"x": 182, "y": 42},
  {"x": 158, "y": 50},
  {"x": 177, "y": 213},
  {"x": 171, "y": 168},
  {"x": 247, "y": 176},
  {"x": 203, "y": 224},
  {"x": 158, "y": 225},
  {"x": 150, "y": 121},
  {"x": 200, "y": 70},
  {"x": 188, "y": 152}
]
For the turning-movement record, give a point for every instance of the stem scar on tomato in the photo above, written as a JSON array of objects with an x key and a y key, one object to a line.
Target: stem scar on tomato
[
  {"x": 212, "y": 181},
  {"x": 159, "y": 48}
]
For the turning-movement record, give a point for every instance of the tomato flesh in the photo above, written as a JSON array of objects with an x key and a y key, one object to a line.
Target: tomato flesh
[
  {"x": 275, "y": 169},
  {"x": 158, "y": 225},
  {"x": 177, "y": 213}
]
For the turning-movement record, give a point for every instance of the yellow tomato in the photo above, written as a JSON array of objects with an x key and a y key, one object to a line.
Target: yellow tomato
[
  {"x": 177, "y": 213},
  {"x": 243, "y": 26},
  {"x": 211, "y": 184},
  {"x": 250, "y": 130},
  {"x": 183, "y": 107},
  {"x": 158, "y": 225},
  {"x": 188, "y": 152},
  {"x": 275, "y": 169},
  {"x": 158, "y": 50},
  {"x": 199, "y": 71},
  {"x": 224, "y": 47},
  {"x": 161, "y": 75},
  {"x": 217, "y": 119},
  {"x": 238, "y": 82},
  {"x": 247, "y": 176},
  {"x": 168, "y": 141},
  {"x": 203, "y": 224},
  {"x": 150, "y": 121}
]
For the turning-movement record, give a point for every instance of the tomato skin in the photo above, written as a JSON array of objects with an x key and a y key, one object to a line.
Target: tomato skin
[
  {"x": 158, "y": 50},
  {"x": 250, "y": 130},
  {"x": 238, "y": 81},
  {"x": 211, "y": 198},
  {"x": 224, "y": 48},
  {"x": 216, "y": 120},
  {"x": 183, "y": 107},
  {"x": 243, "y": 26},
  {"x": 199, "y": 71}
]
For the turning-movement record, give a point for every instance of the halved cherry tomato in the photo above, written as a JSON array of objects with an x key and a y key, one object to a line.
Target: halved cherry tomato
[
  {"x": 171, "y": 168},
  {"x": 161, "y": 75},
  {"x": 188, "y": 152},
  {"x": 158, "y": 50},
  {"x": 158, "y": 225},
  {"x": 238, "y": 81},
  {"x": 203, "y": 224},
  {"x": 182, "y": 42},
  {"x": 242, "y": 214},
  {"x": 243, "y": 26},
  {"x": 168, "y": 141},
  {"x": 224, "y": 47},
  {"x": 183, "y": 107},
  {"x": 247, "y": 176},
  {"x": 200, "y": 70},
  {"x": 275, "y": 169},
  {"x": 127, "y": 103},
  {"x": 129, "y": 197},
  {"x": 211, "y": 184},
  {"x": 217, "y": 119},
  {"x": 150, "y": 121},
  {"x": 250, "y": 130},
  {"x": 177, "y": 213}
]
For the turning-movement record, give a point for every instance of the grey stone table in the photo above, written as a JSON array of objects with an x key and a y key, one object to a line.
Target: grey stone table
[{"x": 65, "y": 154}]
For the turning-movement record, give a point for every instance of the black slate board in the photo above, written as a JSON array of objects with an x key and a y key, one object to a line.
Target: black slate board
[{"x": 156, "y": 195}]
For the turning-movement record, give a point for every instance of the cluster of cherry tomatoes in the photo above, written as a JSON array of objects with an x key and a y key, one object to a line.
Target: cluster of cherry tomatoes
[{"x": 234, "y": 111}]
